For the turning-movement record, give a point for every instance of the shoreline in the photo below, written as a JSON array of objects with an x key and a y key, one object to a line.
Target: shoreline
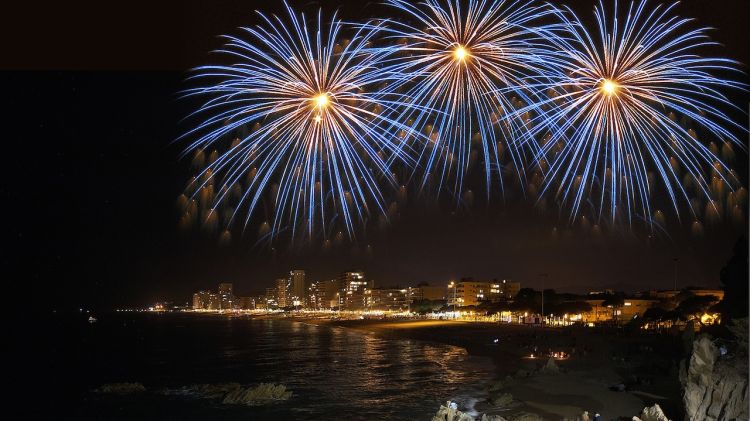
[{"x": 598, "y": 360}]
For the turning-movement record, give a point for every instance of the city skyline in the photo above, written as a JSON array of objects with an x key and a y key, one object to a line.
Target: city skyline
[
  {"x": 287, "y": 293},
  {"x": 467, "y": 300}
]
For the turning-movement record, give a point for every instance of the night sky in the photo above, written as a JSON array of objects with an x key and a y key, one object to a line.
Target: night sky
[{"x": 93, "y": 175}]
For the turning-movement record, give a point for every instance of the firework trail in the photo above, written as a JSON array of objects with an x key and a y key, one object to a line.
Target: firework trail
[
  {"x": 318, "y": 150},
  {"x": 464, "y": 67},
  {"x": 628, "y": 115}
]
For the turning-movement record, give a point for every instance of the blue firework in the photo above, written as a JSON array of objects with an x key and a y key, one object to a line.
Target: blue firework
[
  {"x": 319, "y": 150},
  {"x": 633, "y": 113},
  {"x": 465, "y": 67}
]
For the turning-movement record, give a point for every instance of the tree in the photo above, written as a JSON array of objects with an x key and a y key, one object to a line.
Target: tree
[
  {"x": 654, "y": 314},
  {"x": 427, "y": 306},
  {"x": 528, "y": 295},
  {"x": 571, "y": 307},
  {"x": 694, "y": 307},
  {"x": 528, "y": 300},
  {"x": 734, "y": 278}
]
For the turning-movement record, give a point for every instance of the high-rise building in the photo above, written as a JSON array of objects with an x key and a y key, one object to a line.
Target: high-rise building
[
  {"x": 333, "y": 295},
  {"x": 200, "y": 300},
  {"x": 283, "y": 292},
  {"x": 214, "y": 302},
  {"x": 297, "y": 282},
  {"x": 470, "y": 293},
  {"x": 246, "y": 303},
  {"x": 261, "y": 302},
  {"x": 227, "y": 300},
  {"x": 271, "y": 298},
  {"x": 316, "y": 296},
  {"x": 354, "y": 285}
]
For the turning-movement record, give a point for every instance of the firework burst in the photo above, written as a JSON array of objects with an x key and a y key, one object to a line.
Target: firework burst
[
  {"x": 464, "y": 67},
  {"x": 632, "y": 111},
  {"x": 318, "y": 152}
]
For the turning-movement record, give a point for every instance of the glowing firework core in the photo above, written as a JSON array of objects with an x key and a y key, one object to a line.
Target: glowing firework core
[
  {"x": 321, "y": 100},
  {"x": 609, "y": 87},
  {"x": 460, "y": 53}
]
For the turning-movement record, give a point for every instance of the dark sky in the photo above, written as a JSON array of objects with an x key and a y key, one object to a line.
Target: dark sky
[{"x": 91, "y": 107}]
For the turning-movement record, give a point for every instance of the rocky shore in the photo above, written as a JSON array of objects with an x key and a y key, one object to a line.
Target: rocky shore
[
  {"x": 449, "y": 412},
  {"x": 715, "y": 377}
]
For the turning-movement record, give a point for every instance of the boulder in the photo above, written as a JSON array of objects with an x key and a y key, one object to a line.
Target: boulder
[
  {"x": 584, "y": 417},
  {"x": 551, "y": 367},
  {"x": 450, "y": 412},
  {"x": 652, "y": 413},
  {"x": 262, "y": 394},
  {"x": 715, "y": 388},
  {"x": 235, "y": 393},
  {"x": 121, "y": 388},
  {"x": 502, "y": 399}
]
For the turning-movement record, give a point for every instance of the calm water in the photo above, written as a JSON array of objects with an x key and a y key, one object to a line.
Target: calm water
[{"x": 333, "y": 372}]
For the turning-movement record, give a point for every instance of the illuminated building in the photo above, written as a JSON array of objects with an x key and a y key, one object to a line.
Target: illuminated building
[
  {"x": 503, "y": 290},
  {"x": 315, "y": 295},
  {"x": 599, "y": 313},
  {"x": 283, "y": 292},
  {"x": 225, "y": 288},
  {"x": 471, "y": 293},
  {"x": 200, "y": 300},
  {"x": 214, "y": 302},
  {"x": 321, "y": 295},
  {"x": 261, "y": 302},
  {"x": 271, "y": 298},
  {"x": 354, "y": 285},
  {"x": 227, "y": 300},
  {"x": 333, "y": 294},
  {"x": 393, "y": 299},
  {"x": 246, "y": 303},
  {"x": 298, "y": 290},
  {"x": 632, "y": 308},
  {"x": 426, "y": 292}
]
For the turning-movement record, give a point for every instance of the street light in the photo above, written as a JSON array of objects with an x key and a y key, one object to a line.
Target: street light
[
  {"x": 542, "y": 276},
  {"x": 453, "y": 285}
]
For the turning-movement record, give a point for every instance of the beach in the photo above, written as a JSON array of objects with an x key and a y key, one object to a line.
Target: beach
[{"x": 641, "y": 368}]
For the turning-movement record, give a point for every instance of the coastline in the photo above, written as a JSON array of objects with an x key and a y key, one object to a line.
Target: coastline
[{"x": 598, "y": 360}]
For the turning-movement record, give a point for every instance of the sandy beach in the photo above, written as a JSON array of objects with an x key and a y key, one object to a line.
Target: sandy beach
[{"x": 645, "y": 364}]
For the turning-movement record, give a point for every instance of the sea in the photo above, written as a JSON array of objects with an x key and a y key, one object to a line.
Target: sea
[{"x": 332, "y": 372}]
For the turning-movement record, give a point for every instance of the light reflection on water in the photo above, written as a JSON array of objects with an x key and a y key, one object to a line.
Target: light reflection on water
[{"x": 332, "y": 371}]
